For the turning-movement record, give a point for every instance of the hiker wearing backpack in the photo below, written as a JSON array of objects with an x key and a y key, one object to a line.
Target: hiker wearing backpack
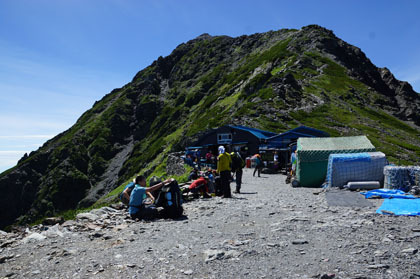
[
  {"x": 223, "y": 168},
  {"x": 237, "y": 166},
  {"x": 135, "y": 193},
  {"x": 259, "y": 165}
]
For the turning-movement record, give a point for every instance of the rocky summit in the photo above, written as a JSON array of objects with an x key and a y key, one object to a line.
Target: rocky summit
[
  {"x": 270, "y": 230},
  {"x": 274, "y": 81}
]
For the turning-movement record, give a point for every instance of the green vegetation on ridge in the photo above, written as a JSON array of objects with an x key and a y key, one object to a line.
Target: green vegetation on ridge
[{"x": 273, "y": 81}]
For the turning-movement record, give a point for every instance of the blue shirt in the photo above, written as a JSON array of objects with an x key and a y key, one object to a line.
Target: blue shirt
[{"x": 138, "y": 194}]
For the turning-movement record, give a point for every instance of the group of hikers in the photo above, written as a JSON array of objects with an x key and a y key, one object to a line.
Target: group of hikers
[{"x": 143, "y": 202}]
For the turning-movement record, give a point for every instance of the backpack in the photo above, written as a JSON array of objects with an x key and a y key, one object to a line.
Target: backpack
[
  {"x": 154, "y": 180},
  {"x": 237, "y": 162},
  {"x": 170, "y": 198}
]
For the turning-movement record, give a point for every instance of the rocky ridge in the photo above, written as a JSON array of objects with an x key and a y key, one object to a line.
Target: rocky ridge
[{"x": 274, "y": 81}]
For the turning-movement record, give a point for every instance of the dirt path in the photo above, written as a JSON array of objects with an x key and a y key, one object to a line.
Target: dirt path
[{"x": 269, "y": 231}]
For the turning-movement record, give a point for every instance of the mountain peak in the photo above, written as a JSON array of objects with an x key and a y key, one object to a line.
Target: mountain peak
[{"x": 272, "y": 81}]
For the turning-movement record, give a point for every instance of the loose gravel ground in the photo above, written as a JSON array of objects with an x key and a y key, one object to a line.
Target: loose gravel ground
[{"x": 270, "y": 230}]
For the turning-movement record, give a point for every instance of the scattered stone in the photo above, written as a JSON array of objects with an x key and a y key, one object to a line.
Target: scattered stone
[
  {"x": 188, "y": 272},
  {"x": 378, "y": 266},
  {"x": 118, "y": 206},
  {"x": 299, "y": 241},
  {"x": 52, "y": 221},
  {"x": 53, "y": 231},
  {"x": 96, "y": 235},
  {"x": 379, "y": 253},
  {"x": 211, "y": 255},
  {"x": 120, "y": 227},
  {"x": 87, "y": 216},
  {"x": 69, "y": 223},
  {"x": 34, "y": 237},
  {"x": 93, "y": 227},
  {"x": 298, "y": 219},
  {"x": 5, "y": 258},
  {"x": 7, "y": 243},
  {"x": 327, "y": 276},
  {"x": 386, "y": 240},
  {"x": 103, "y": 211},
  {"x": 410, "y": 250}
]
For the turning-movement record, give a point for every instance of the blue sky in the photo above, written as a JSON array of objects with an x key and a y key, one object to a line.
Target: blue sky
[{"x": 58, "y": 57}]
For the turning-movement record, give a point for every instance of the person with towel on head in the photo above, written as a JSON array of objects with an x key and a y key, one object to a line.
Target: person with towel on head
[{"x": 223, "y": 168}]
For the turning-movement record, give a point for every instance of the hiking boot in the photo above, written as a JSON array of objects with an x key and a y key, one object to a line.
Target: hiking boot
[{"x": 236, "y": 192}]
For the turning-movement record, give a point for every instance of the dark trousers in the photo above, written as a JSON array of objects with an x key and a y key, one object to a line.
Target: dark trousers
[
  {"x": 238, "y": 180},
  {"x": 147, "y": 212},
  {"x": 225, "y": 181},
  {"x": 259, "y": 168}
]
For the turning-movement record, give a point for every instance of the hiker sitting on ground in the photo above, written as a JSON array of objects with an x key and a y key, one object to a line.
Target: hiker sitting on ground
[
  {"x": 199, "y": 186},
  {"x": 193, "y": 175},
  {"x": 210, "y": 180},
  {"x": 136, "y": 193}
]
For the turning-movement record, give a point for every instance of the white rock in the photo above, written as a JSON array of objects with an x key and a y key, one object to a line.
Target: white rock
[
  {"x": 34, "y": 237},
  {"x": 53, "y": 231},
  {"x": 188, "y": 272},
  {"x": 409, "y": 251},
  {"x": 87, "y": 216}
]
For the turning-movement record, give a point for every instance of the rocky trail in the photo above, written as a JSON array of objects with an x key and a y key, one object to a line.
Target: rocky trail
[{"x": 270, "y": 230}]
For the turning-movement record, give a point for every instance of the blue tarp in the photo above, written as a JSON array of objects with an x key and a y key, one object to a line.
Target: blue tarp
[
  {"x": 400, "y": 207},
  {"x": 387, "y": 193},
  {"x": 345, "y": 167}
]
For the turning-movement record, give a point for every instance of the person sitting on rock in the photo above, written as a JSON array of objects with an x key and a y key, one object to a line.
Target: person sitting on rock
[{"x": 136, "y": 194}]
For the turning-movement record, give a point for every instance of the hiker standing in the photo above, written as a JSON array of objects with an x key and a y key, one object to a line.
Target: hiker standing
[
  {"x": 276, "y": 160},
  {"x": 136, "y": 193},
  {"x": 237, "y": 165},
  {"x": 223, "y": 168},
  {"x": 294, "y": 162},
  {"x": 259, "y": 165}
]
